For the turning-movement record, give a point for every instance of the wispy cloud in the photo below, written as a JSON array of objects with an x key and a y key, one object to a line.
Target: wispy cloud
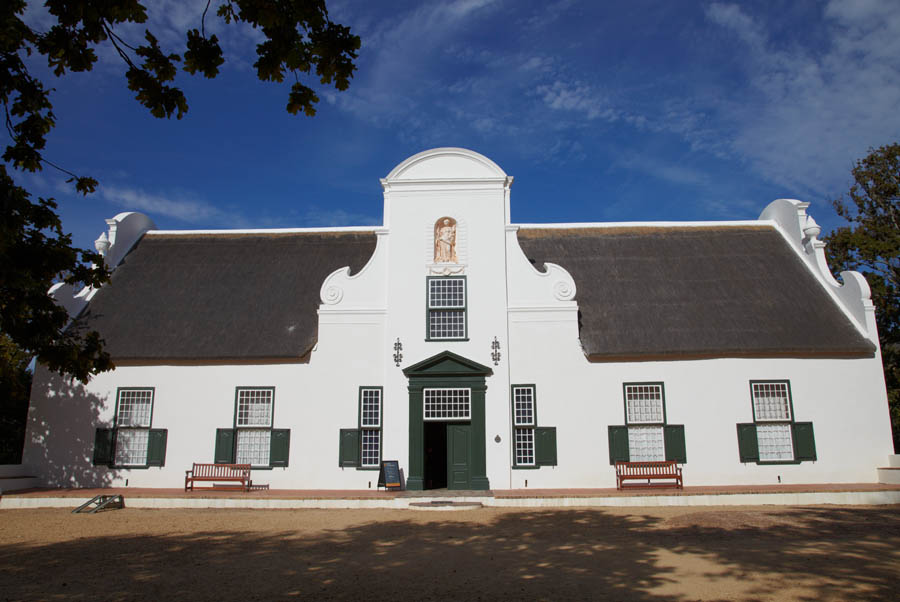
[
  {"x": 318, "y": 216},
  {"x": 181, "y": 206},
  {"x": 806, "y": 113}
]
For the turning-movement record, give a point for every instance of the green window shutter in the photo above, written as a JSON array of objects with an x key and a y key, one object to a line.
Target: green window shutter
[
  {"x": 676, "y": 451},
  {"x": 104, "y": 447},
  {"x": 156, "y": 447},
  {"x": 224, "y": 446},
  {"x": 545, "y": 446},
  {"x": 349, "y": 450},
  {"x": 618, "y": 444},
  {"x": 804, "y": 441},
  {"x": 281, "y": 447},
  {"x": 748, "y": 445}
]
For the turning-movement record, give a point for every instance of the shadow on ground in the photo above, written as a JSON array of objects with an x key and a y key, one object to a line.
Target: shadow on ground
[{"x": 807, "y": 553}]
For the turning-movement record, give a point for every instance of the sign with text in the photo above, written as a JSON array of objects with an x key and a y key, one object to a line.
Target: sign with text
[{"x": 389, "y": 475}]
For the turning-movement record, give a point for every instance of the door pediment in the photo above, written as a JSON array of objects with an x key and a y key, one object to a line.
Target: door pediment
[{"x": 447, "y": 363}]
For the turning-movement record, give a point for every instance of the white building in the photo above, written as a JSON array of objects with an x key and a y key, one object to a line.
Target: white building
[{"x": 476, "y": 352}]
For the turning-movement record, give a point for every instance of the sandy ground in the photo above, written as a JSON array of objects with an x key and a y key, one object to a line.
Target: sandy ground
[{"x": 716, "y": 553}]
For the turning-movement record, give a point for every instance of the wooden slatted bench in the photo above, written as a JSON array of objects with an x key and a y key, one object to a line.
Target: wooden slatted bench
[
  {"x": 648, "y": 472},
  {"x": 217, "y": 474}
]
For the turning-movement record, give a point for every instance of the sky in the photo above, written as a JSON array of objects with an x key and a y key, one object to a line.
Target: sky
[{"x": 602, "y": 111}]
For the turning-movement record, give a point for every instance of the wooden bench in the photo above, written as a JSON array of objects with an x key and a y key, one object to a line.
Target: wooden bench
[
  {"x": 236, "y": 475},
  {"x": 649, "y": 472}
]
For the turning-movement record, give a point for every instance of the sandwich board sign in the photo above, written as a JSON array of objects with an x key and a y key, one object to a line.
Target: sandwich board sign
[{"x": 389, "y": 475}]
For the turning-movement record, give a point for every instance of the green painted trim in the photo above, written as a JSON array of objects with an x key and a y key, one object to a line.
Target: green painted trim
[
  {"x": 474, "y": 378},
  {"x": 424, "y": 368},
  {"x": 662, "y": 390},
  {"x": 525, "y": 467},
  {"x": 792, "y": 422},
  {"x": 464, "y": 310}
]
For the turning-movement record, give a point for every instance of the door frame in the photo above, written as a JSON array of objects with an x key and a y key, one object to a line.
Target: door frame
[{"x": 447, "y": 369}]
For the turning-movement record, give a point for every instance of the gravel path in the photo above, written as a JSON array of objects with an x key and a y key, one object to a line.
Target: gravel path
[{"x": 716, "y": 553}]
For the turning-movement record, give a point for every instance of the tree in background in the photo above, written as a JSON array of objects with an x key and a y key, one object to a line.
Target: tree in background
[
  {"x": 35, "y": 252},
  {"x": 299, "y": 41},
  {"x": 871, "y": 245}
]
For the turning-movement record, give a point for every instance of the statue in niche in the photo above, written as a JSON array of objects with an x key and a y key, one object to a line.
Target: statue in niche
[{"x": 445, "y": 240}]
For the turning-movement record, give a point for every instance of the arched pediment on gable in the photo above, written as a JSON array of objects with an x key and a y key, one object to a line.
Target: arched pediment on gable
[{"x": 446, "y": 164}]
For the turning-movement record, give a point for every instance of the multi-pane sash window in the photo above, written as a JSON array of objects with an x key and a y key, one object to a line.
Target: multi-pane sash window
[
  {"x": 524, "y": 423},
  {"x": 774, "y": 435},
  {"x": 131, "y": 446},
  {"x": 447, "y": 404},
  {"x": 253, "y": 421},
  {"x": 646, "y": 444},
  {"x": 775, "y": 442},
  {"x": 254, "y": 407},
  {"x": 524, "y": 447},
  {"x": 447, "y": 308},
  {"x": 771, "y": 402},
  {"x": 646, "y": 435},
  {"x": 253, "y": 446},
  {"x": 134, "y": 410},
  {"x": 644, "y": 404},
  {"x": 772, "y": 408},
  {"x": 370, "y": 427}
]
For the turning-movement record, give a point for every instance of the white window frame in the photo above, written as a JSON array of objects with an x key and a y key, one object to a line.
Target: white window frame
[
  {"x": 249, "y": 432},
  {"x": 639, "y": 434},
  {"x": 759, "y": 400},
  {"x": 766, "y": 426},
  {"x": 780, "y": 432},
  {"x": 438, "y": 307},
  {"x": 524, "y": 424},
  {"x": 370, "y": 431},
  {"x": 130, "y": 431},
  {"x": 448, "y": 417},
  {"x": 631, "y": 410}
]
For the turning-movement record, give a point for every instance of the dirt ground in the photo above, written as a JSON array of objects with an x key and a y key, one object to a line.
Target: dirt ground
[{"x": 715, "y": 553}]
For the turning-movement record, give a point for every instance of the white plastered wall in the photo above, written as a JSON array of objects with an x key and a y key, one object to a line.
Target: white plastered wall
[{"x": 533, "y": 316}]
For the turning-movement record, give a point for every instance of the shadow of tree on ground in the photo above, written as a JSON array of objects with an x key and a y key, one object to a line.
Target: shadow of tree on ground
[{"x": 807, "y": 553}]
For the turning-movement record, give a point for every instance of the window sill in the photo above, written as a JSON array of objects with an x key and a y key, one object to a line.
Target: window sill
[
  {"x": 368, "y": 468},
  {"x": 535, "y": 467},
  {"x": 427, "y": 340},
  {"x": 778, "y": 462}
]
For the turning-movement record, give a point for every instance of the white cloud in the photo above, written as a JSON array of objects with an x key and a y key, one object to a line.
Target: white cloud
[
  {"x": 317, "y": 216},
  {"x": 181, "y": 206},
  {"x": 675, "y": 173},
  {"x": 577, "y": 97},
  {"x": 807, "y": 113}
]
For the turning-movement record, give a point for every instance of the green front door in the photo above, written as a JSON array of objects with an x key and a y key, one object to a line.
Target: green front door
[
  {"x": 458, "y": 456},
  {"x": 465, "y": 441}
]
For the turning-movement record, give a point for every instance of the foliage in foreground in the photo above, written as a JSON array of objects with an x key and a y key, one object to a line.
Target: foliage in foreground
[{"x": 299, "y": 40}]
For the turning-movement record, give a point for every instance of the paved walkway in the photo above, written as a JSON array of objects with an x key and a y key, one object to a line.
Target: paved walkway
[{"x": 843, "y": 493}]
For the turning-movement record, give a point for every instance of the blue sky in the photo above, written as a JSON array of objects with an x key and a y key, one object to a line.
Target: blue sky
[{"x": 601, "y": 111}]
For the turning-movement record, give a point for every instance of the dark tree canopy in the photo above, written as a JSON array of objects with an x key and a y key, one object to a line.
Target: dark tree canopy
[
  {"x": 870, "y": 244},
  {"x": 300, "y": 41}
]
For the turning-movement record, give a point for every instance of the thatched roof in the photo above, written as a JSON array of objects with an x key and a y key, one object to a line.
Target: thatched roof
[
  {"x": 679, "y": 292},
  {"x": 221, "y": 296}
]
